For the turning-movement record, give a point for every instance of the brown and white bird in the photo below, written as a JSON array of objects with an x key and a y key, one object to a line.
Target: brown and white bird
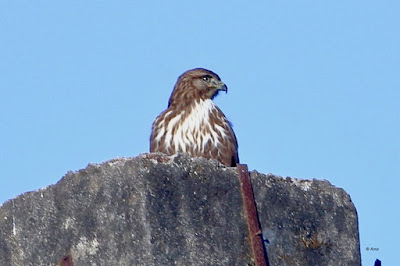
[{"x": 192, "y": 123}]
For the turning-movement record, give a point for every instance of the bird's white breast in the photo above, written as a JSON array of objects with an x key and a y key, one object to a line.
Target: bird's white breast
[{"x": 194, "y": 130}]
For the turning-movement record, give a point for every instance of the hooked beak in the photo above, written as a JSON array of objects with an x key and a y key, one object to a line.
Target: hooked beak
[{"x": 219, "y": 85}]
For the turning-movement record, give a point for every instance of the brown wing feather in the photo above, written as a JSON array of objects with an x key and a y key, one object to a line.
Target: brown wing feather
[{"x": 226, "y": 151}]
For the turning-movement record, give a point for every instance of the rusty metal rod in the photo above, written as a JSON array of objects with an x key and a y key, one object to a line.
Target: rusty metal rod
[{"x": 252, "y": 218}]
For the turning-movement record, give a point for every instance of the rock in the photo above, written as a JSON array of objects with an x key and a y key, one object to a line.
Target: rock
[
  {"x": 160, "y": 210},
  {"x": 306, "y": 222}
]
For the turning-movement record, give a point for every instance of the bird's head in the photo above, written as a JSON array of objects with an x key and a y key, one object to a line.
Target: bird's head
[{"x": 196, "y": 84}]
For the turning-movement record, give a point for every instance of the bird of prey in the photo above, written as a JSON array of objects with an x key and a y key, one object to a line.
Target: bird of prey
[{"x": 192, "y": 123}]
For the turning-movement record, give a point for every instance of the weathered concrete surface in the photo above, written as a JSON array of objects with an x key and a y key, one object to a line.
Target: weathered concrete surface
[
  {"x": 159, "y": 210},
  {"x": 306, "y": 222}
]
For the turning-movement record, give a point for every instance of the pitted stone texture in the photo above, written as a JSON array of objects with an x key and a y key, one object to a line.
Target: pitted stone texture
[
  {"x": 306, "y": 222},
  {"x": 159, "y": 210}
]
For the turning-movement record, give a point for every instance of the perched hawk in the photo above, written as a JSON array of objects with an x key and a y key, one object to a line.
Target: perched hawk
[{"x": 192, "y": 123}]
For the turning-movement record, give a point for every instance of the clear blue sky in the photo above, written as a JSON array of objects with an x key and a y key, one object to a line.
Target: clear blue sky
[{"x": 313, "y": 90}]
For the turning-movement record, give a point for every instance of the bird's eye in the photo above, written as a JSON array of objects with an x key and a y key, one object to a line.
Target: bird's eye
[{"x": 206, "y": 78}]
